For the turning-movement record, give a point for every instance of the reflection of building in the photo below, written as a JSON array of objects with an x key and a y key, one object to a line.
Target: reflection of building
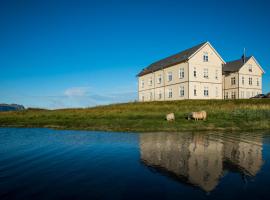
[{"x": 200, "y": 159}]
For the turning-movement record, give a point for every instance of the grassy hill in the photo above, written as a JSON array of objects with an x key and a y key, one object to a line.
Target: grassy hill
[{"x": 250, "y": 114}]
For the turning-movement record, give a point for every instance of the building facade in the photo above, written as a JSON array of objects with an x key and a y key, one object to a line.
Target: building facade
[{"x": 195, "y": 73}]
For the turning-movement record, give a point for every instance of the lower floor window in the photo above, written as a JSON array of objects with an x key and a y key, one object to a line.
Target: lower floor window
[
  {"x": 160, "y": 95},
  {"x": 233, "y": 95},
  {"x": 182, "y": 91},
  {"x": 170, "y": 93},
  {"x": 206, "y": 92}
]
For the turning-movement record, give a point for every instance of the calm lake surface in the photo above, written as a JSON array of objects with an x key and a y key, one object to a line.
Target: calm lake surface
[{"x": 54, "y": 164}]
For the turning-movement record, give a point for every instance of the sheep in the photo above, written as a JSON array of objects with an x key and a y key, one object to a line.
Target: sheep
[
  {"x": 197, "y": 115},
  {"x": 170, "y": 117}
]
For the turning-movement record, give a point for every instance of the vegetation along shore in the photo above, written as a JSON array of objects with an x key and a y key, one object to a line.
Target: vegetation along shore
[{"x": 248, "y": 114}]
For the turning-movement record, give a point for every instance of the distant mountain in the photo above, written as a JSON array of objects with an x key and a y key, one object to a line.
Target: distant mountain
[{"x": 11, "y": 107}]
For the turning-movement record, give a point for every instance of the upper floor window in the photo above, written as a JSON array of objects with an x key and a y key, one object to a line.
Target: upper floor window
[
  {"x": 205, "y": 73},
  {"x": 216, "y": 75},
  {"x": 150, "y": 81},
  {"x": 170, "y": 93},
  {"x": 194, "y": 72},
  {"x": 233, "y": 81},
  {"x": 258, "y": 82},
  {"x": 142, "y": 83},
  {"x": 169, "y": 76},
  {"x": 205, "y": 57},
  {"x": 181, "y": 73},
  {"x": 195, "y": 91},
  {"x": 250, "y": 80},
  {"x": 243, "y": 80},
  {"x": 206, "y": 91},
  {"x": 159, "y": 80},
  {"x": 250, "y": 68},
  {"x": 182, "y": 91}
]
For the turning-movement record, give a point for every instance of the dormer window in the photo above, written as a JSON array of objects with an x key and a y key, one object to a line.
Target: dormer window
[{"x": 205, "y": 57}]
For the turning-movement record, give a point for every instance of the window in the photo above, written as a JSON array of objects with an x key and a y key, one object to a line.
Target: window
[
  {"x": 160, "y": 94},
  {"x": 159, "y": 79},
  {"x": 142, "y": 96},
  {"x": 252, "y": 94},
  {"x": 242, "y": 94},
  {"x": 150, "y": 96},
  {"x": 170, "y": 93},
  {"x": 169, "y": 76},
  {"x": 142, "y": 83},
  {"x": 194, "y": 72},
  {"x": 182, "y": 91},
  {"x": 226, "y": 95},
  {"x": 248, "y": 94},
  {"x": 233, "y": 81},
  {"x": 205, "y": 73},
  {"x": 206, "y": 92},
  {"x": 233, "y": 95},
  {"x": 195, "y": 90},
  {"x": 216, "y": 75},
  {"x": 216, "y": 91},
  {"x": 250, "y": 68},
  {"x": 205, "y": 57},
  {"x": 243, "y": 80},
  {"x": 150, "y": 81},
  {"x": 250, "y": 80},
  {"x": 181, "y": 73},
  {"x": 258, "y": 82}
]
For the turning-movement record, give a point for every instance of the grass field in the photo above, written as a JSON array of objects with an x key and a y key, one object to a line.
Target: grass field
[{"x": 250, "y": 114}]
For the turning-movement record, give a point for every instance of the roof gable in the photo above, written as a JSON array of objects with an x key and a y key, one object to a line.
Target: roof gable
[{"x": 236, "y": 65}]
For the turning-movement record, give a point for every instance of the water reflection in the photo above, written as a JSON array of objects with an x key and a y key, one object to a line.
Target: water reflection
[{"x": 201, "y": 159}]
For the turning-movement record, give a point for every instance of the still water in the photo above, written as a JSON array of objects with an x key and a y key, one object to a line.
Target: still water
[{"x": 53, "y": 164}]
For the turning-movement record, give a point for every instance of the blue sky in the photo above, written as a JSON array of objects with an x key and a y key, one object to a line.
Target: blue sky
[{"x": 56, "y": 54}]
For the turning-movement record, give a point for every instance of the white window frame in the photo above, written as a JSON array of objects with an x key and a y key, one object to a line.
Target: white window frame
[
  {"x": 205, "y": 57},
  {"x": 206, "y": 91},
  {"x": 181, "y": 73},
  {"x": 170, "y": 93},
  {"x": 159, "y": 94},
  {"x": 195, "y": 91},
  {"x": 181, "y": 91},
  {"x": 243, "y": 80},
  {"x": 150, "y": 83},
  {"x": 205, "y": 73},
  {"x": 170, "y": 76},
  {"x": 150, "y": 96},
  {"x": 195, "y": 72},
  {"x": 233, "y": 81},
  {"x": 250, "y": 80},
  {"x": 216, "y": 75},
  {"x": 159, "y": 79},
  {"x": 250, "y": 68}
]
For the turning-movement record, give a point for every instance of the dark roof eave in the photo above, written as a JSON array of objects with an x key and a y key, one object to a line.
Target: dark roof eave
[{"x": 149, "y": 72}]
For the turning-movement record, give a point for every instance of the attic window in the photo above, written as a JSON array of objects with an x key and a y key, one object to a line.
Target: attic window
[
  {"x": 205, "y": 57},
  {"x": 250, "y": 68}
]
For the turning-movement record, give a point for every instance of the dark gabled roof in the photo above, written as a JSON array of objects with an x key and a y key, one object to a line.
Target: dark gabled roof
[
  {"x": 234, "y": 66},
  {"x": 171, "y": 60}
]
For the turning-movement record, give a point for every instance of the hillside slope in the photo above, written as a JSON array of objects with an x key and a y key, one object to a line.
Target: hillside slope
[{"x": 250, "y": 114}]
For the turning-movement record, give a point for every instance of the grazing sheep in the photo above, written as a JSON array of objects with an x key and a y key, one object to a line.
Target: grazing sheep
[
  {"x": 170, "y": 117},
  {"x": 197, "y": 115}
]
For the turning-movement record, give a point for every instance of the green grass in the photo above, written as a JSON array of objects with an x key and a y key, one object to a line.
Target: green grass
[{"x": 250, "y": 114}]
